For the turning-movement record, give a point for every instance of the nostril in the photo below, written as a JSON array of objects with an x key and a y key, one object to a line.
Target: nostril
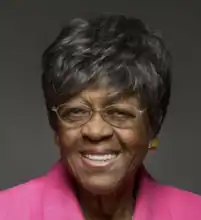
[
  {"x": 97, "y": 132},
  {"x": 95, "y": 138}
]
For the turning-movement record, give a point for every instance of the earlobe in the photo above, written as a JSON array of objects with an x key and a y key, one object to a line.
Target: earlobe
[{"x": 153, "y": 144}]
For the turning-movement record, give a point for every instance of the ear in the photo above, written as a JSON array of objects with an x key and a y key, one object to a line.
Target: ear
[
  {"x": 56, "y": 139},
  {"x": 150, "y": 133}
]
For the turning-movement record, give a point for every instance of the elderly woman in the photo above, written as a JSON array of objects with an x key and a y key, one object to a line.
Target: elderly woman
[{"x": 106, "y": 83}]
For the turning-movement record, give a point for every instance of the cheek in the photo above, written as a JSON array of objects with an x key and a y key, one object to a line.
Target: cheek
[
  {"x": 67, "y": 141},
  {"x": 135, "y": 143},
  {"x": 132, "y": 138}
]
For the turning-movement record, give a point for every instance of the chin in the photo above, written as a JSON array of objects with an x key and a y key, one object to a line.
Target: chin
[{"x": 100, "y": 186}]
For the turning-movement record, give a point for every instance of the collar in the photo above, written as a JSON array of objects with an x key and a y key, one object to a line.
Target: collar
[{"x": 60, "y": 202}]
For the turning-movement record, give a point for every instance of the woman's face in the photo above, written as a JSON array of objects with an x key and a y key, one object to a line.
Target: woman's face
[{"x": 99, "y": 155}]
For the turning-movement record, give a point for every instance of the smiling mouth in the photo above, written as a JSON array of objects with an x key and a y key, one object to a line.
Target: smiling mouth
[
  {"x": 98, "y": 157},
  {"x": 99, "y": 160}
]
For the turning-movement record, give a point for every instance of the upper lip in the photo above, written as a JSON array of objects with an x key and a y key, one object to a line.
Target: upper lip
[{"x": 99, "y": 151}]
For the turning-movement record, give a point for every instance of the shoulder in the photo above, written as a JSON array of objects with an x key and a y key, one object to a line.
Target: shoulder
[
  {"x": 181, "y": 204},
  {"x": 21, "y": 199},
  {"x": 169, "y": 202}
]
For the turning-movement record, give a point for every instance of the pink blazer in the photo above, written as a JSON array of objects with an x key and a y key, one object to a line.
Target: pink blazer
[{"x": 51, "y": 197}]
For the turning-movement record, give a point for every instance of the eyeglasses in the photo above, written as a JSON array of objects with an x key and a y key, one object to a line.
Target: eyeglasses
[{"x": 118, "y": 115}]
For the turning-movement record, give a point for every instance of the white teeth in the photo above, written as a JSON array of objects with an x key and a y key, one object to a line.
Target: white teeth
[{"x": 100, "y": 157}]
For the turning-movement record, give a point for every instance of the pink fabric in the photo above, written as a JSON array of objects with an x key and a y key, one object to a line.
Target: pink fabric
[{"x": 51, "y": 197}]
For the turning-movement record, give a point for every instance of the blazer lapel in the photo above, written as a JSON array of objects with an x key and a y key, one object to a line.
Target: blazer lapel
[
  {"x": 142, "y": 209},
  {"x": 59, "y": 200}
]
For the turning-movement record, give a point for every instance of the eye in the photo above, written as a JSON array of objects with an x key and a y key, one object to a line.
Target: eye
[
  {"x": 73, "y": 113},
  {"x": 120, "y": 113},
  {"x": 76, "y": 111}
]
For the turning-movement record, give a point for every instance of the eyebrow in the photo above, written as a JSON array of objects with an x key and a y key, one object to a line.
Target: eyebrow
[
  {"x": 110, "y": 99},
  {"x": 113, "y": 98},
  {"x": 117, "y": 97}
]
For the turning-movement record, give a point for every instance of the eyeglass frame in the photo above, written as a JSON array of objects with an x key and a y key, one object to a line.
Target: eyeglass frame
[{"x": 92, "y": 111}]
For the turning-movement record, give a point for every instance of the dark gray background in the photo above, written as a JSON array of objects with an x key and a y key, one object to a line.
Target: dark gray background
[{"x": 27, "y": 27}]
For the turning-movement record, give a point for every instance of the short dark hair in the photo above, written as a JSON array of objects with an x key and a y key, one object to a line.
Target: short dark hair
[{"x": 121, "y": 48}]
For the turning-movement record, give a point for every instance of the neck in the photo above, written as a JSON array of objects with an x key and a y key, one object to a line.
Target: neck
[{"x": 115, "y": 205}]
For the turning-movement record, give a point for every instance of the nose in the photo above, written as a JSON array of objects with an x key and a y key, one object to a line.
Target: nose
[{"x": 97, "y": 129}]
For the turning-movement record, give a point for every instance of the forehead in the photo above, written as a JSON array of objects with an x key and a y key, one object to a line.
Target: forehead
[{"x": 104, "y": 96}]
